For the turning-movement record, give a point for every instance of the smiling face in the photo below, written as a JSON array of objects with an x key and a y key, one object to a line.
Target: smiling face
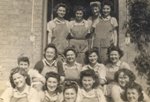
[
  {"x": 61, "y": 11},
  {"x": 123, "y": 79},
  {"x": 106, "y": 10},
  {"x": 50, "y": 54},
  {"x": 114, "y": 57},
  {"x": 52, "y": 84},
  {"x": 19, "y": 80},
  {"x": 93, "y": 58},
  {"x": 88, "y": 82},
  {"x": 24, "y": 65},
  {"x": 79, "y": 15},
  {"x": 70, "y": 95},
  {"x": 132, "y": 95},
  {"x": 96, "y": 11},
  {"x": 70, "y": 56}
]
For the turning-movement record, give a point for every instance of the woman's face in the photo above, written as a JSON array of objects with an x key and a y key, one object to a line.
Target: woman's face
[
  {"x": 61, "y": 12},
  {"x": 70, "y": 95},
  {"x": 24, "y": 65},
  {"x": 123, "y": 79},
  {"x": 19, "y": 80},
  {"x": 132, "y": 95},
  {"x": 96, "y": 11},
  {"x": 70, "y": 56},
  {"x": 52, "y": 84},
  {"x": 93, "y": 58},
  {"x": 88, "y": 82},
  {"x": 114, "y": 57},
  {"x": 50, "y": 54},
  {"x": 106, "y": 10},
  {"x": 79, "y": 15}
]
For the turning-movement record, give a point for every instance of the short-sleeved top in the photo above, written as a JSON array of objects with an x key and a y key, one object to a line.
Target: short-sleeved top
[
  {"x": 93, "y": 22},
  {"x": 51, "y": 25},
  {"x": 111, "y": 69},
  {"x": 99, "y": 69},
  {"x": 30, "y": 94},
  {"x": 43, "y": 67},
  {"x": 79, "y": 30},
  {"x": 72, "y": 72},
  {"x": 94, "y": 95}
]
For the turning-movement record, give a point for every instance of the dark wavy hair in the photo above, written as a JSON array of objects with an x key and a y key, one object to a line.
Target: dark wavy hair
[
  {"x": 127, "y": 72},
  {"x": 89, "y": 52},
  {"x": 21, "y": 71},
  {"x": 138, "y": 88},
  {"x": 79, "y": 8},
  {"x": 115, "y": 48},
  {"x": 23, "y": 59},
  {"x": 53, "y": 75},
  {"x": 51, "y": 45},
  {"x": 70, "y": 85},
  {"x": 61, "y": 5},
  {"x": 70, "y": 49},
  {"x": 89, "y": 73}
]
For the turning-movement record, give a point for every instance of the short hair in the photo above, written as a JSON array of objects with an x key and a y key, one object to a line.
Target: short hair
[
  {"x": 53, "y": 75},
  {"x": 107, "y": 2},
  {"x": 95, "y": 4},
  {"x": 23, "y": 59},
  {"x": 137, "y": 87},
  {"x": 51, "y": 45},
  {"x": 21, "y": 71},
  {"x": 127, "y": 72},
  {"x": 70, "y": 85},
  {"x": 89, "y": 52},
  {"x": 70, "y": 49},
  {"x": 115, "y": 48},
  {"x": 61, "y": 5},
  {"x": 79, "y": 8},
  {"x": 89, "y": 73}
]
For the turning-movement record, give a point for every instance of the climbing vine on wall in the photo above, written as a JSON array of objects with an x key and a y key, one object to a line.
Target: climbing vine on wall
[
  {"x": 139, "y": 30},
  {"x": 139, "y": 22}
]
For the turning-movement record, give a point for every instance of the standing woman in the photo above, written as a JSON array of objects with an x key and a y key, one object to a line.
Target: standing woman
[
  {"x": 58, "y": 28},
  {"x": 114, "y": 62},
  {"x": 92, "y": 61},
  {"x": 52, "y": 92},
  {"x": 21, "y": 90},
  {"x": 105, "y": 31},
  {"x": 79, "y": 29},
  {"x": 71, "y": 67},
  {"x": 50, "y": 63}
]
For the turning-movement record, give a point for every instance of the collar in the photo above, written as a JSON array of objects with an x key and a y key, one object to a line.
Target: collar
[
  {"x": 118, "y": 63},
  {"x": 24, "y": 92},
  {"x": 49, "y": 64},
  {"x": 89, "y": 94},
  {"x": 107, "y": 18},
  {"x": 96, "y": 65},
  {"x": 75, "y": 63},
  {"x": 58, "y": 21}
]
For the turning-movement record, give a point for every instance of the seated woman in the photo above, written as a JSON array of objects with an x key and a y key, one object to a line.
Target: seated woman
[
  {"x": 89, "y": 91},
  {"x": 21, "y": 90},
  {"x": 50, "y": 63},
  {"x": 70, "y": 92},
  {"x": 52, "y": 89},
  {"x": 123, "y": 78},
  {"x": 133, "y": 93},
  {"x": 114, "y": 63},
  {"x": 71, "y": 68},
  {"x": 92, "y": 61}
]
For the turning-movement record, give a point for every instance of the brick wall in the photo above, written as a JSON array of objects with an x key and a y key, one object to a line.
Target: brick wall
[{"x": 15, "y": 32}]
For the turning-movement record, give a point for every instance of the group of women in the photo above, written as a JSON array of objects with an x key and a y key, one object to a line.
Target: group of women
[
  {"x": 52, "y": 80},
  {"x": 102, "y": 77}
]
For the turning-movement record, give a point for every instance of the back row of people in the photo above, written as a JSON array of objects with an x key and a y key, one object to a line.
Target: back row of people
[{"x": 100, "y": 30}]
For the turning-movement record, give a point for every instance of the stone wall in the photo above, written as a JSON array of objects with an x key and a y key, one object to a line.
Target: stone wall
[{"x": 15, "y": 33}]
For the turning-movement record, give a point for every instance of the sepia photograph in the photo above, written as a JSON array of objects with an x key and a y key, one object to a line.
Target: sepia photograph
[{"x": 74, "y": 51}]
